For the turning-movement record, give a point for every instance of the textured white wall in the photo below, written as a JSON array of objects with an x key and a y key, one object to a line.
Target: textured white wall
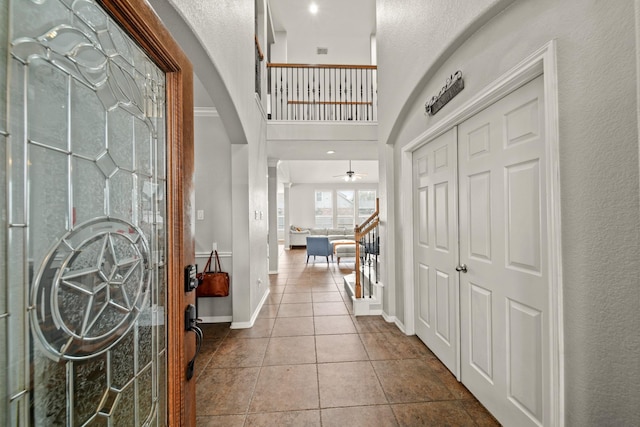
[
  {"x": 302, "y": 204},
  {"x": 258, "y": 196},
  {"x": 279, "y": 48},
  {"x": 224, "y": 30},
  {"x": 204, "y": 65},
  {"x": 415, "y": 34},
  {"x": 224, "y": 55},
  {"x": 249, "y": 199},
  {"x": 302, "y": 49},
  {"x": 598, "y": 160}
]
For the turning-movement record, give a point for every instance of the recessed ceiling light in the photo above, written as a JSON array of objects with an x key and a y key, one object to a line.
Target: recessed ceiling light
[
  {"x": 313, "y": 8},
  {"x": 331, "y": 152}
]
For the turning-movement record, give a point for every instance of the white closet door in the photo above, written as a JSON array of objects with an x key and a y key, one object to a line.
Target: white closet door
[
  {"x": 436, "y": 247},
  {"x": 504, "y": 300}
]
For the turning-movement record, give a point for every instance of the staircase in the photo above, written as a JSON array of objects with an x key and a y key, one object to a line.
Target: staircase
[
  {"x": 363, "y": 285},
  {"x": 368, "y": 305}
]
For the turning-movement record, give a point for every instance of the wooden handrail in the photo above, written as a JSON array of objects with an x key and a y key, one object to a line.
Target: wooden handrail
[
  {"x": 373, "y": 216},
  {"x": 370, "y": 227},
  {"x": 356, "y": 67},
  {"x": 260, "y": 54}
]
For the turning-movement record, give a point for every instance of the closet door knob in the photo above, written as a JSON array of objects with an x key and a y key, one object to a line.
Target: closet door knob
[{"x": 462, "y": 268}]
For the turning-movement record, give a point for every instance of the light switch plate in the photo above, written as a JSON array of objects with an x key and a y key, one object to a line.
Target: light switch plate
[{"x": 200, "y": 214}]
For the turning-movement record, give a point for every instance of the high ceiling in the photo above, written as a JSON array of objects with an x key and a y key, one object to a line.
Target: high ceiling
[
  {"x": 339, "y": 18},
  {"x": 335, "y": 17}
]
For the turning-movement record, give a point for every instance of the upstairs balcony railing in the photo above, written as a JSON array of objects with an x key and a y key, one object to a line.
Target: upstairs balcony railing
[{"x": 322, "y": 92}]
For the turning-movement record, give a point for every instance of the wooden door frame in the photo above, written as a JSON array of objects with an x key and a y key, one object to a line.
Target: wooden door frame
[
  {"x": 144, "y": 26},
  {"x": 542, "y": 62}
]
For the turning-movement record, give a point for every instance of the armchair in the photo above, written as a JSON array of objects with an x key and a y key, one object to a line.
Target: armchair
[{"x": 319, "y": 245}]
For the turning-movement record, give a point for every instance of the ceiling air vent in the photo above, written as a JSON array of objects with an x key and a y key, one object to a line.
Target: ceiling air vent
[{"x": 322, "y": 50}]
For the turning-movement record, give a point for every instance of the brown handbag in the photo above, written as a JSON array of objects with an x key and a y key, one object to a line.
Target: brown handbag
[{"x": 213, "y": 283}]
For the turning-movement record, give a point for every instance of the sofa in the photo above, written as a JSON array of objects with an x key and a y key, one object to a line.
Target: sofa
[{"x": 298, "y": 235}]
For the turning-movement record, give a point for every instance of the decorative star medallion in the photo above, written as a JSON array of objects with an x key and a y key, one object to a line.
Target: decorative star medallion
[{"x": 92, "y": 286}]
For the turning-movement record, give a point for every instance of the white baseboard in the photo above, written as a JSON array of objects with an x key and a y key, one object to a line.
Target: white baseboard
[
  {"x": 400, "y": 326},
  {"x": 396, "y": 321},
  {"x": 215, "y": 319},
  {"x": 273, "y": 272},
  {"x": 220, "y": 254},
  {"x": 241, "y": 325},
  {"x": 387, "y": 318},
  {"x": 250, "y": 323}
]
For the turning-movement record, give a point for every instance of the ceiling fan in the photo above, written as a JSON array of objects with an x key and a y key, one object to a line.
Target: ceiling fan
[{"x": 350, "y": 175}]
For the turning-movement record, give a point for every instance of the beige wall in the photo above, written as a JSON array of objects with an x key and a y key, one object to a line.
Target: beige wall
[{"x": 598, "y": 160}]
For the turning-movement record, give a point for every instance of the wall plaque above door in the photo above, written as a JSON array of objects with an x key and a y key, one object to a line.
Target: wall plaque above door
[{"x": 452, "y": 87}]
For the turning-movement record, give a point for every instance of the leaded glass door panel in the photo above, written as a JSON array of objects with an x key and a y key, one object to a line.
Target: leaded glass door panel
[{"x": 84, "y": 280}]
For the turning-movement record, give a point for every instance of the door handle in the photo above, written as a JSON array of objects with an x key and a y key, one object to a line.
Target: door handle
[
  {"x": 462, "y": 268},
  {"x": 191, "y": 324}
]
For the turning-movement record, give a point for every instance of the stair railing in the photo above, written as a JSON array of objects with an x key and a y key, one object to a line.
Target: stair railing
[
  {"x": 367, "y": 236},
  {"x": 258, "y": 74}
]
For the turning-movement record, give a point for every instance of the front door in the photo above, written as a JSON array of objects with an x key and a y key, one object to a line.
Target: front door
[
  {"x": 504, "y": 298},
  {"x": 436, "y": 247},
  {"x": 86, "y": 227}
]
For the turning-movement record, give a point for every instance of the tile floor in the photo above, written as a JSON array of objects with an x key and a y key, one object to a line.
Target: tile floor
[{"x": 309, "y": 362}]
